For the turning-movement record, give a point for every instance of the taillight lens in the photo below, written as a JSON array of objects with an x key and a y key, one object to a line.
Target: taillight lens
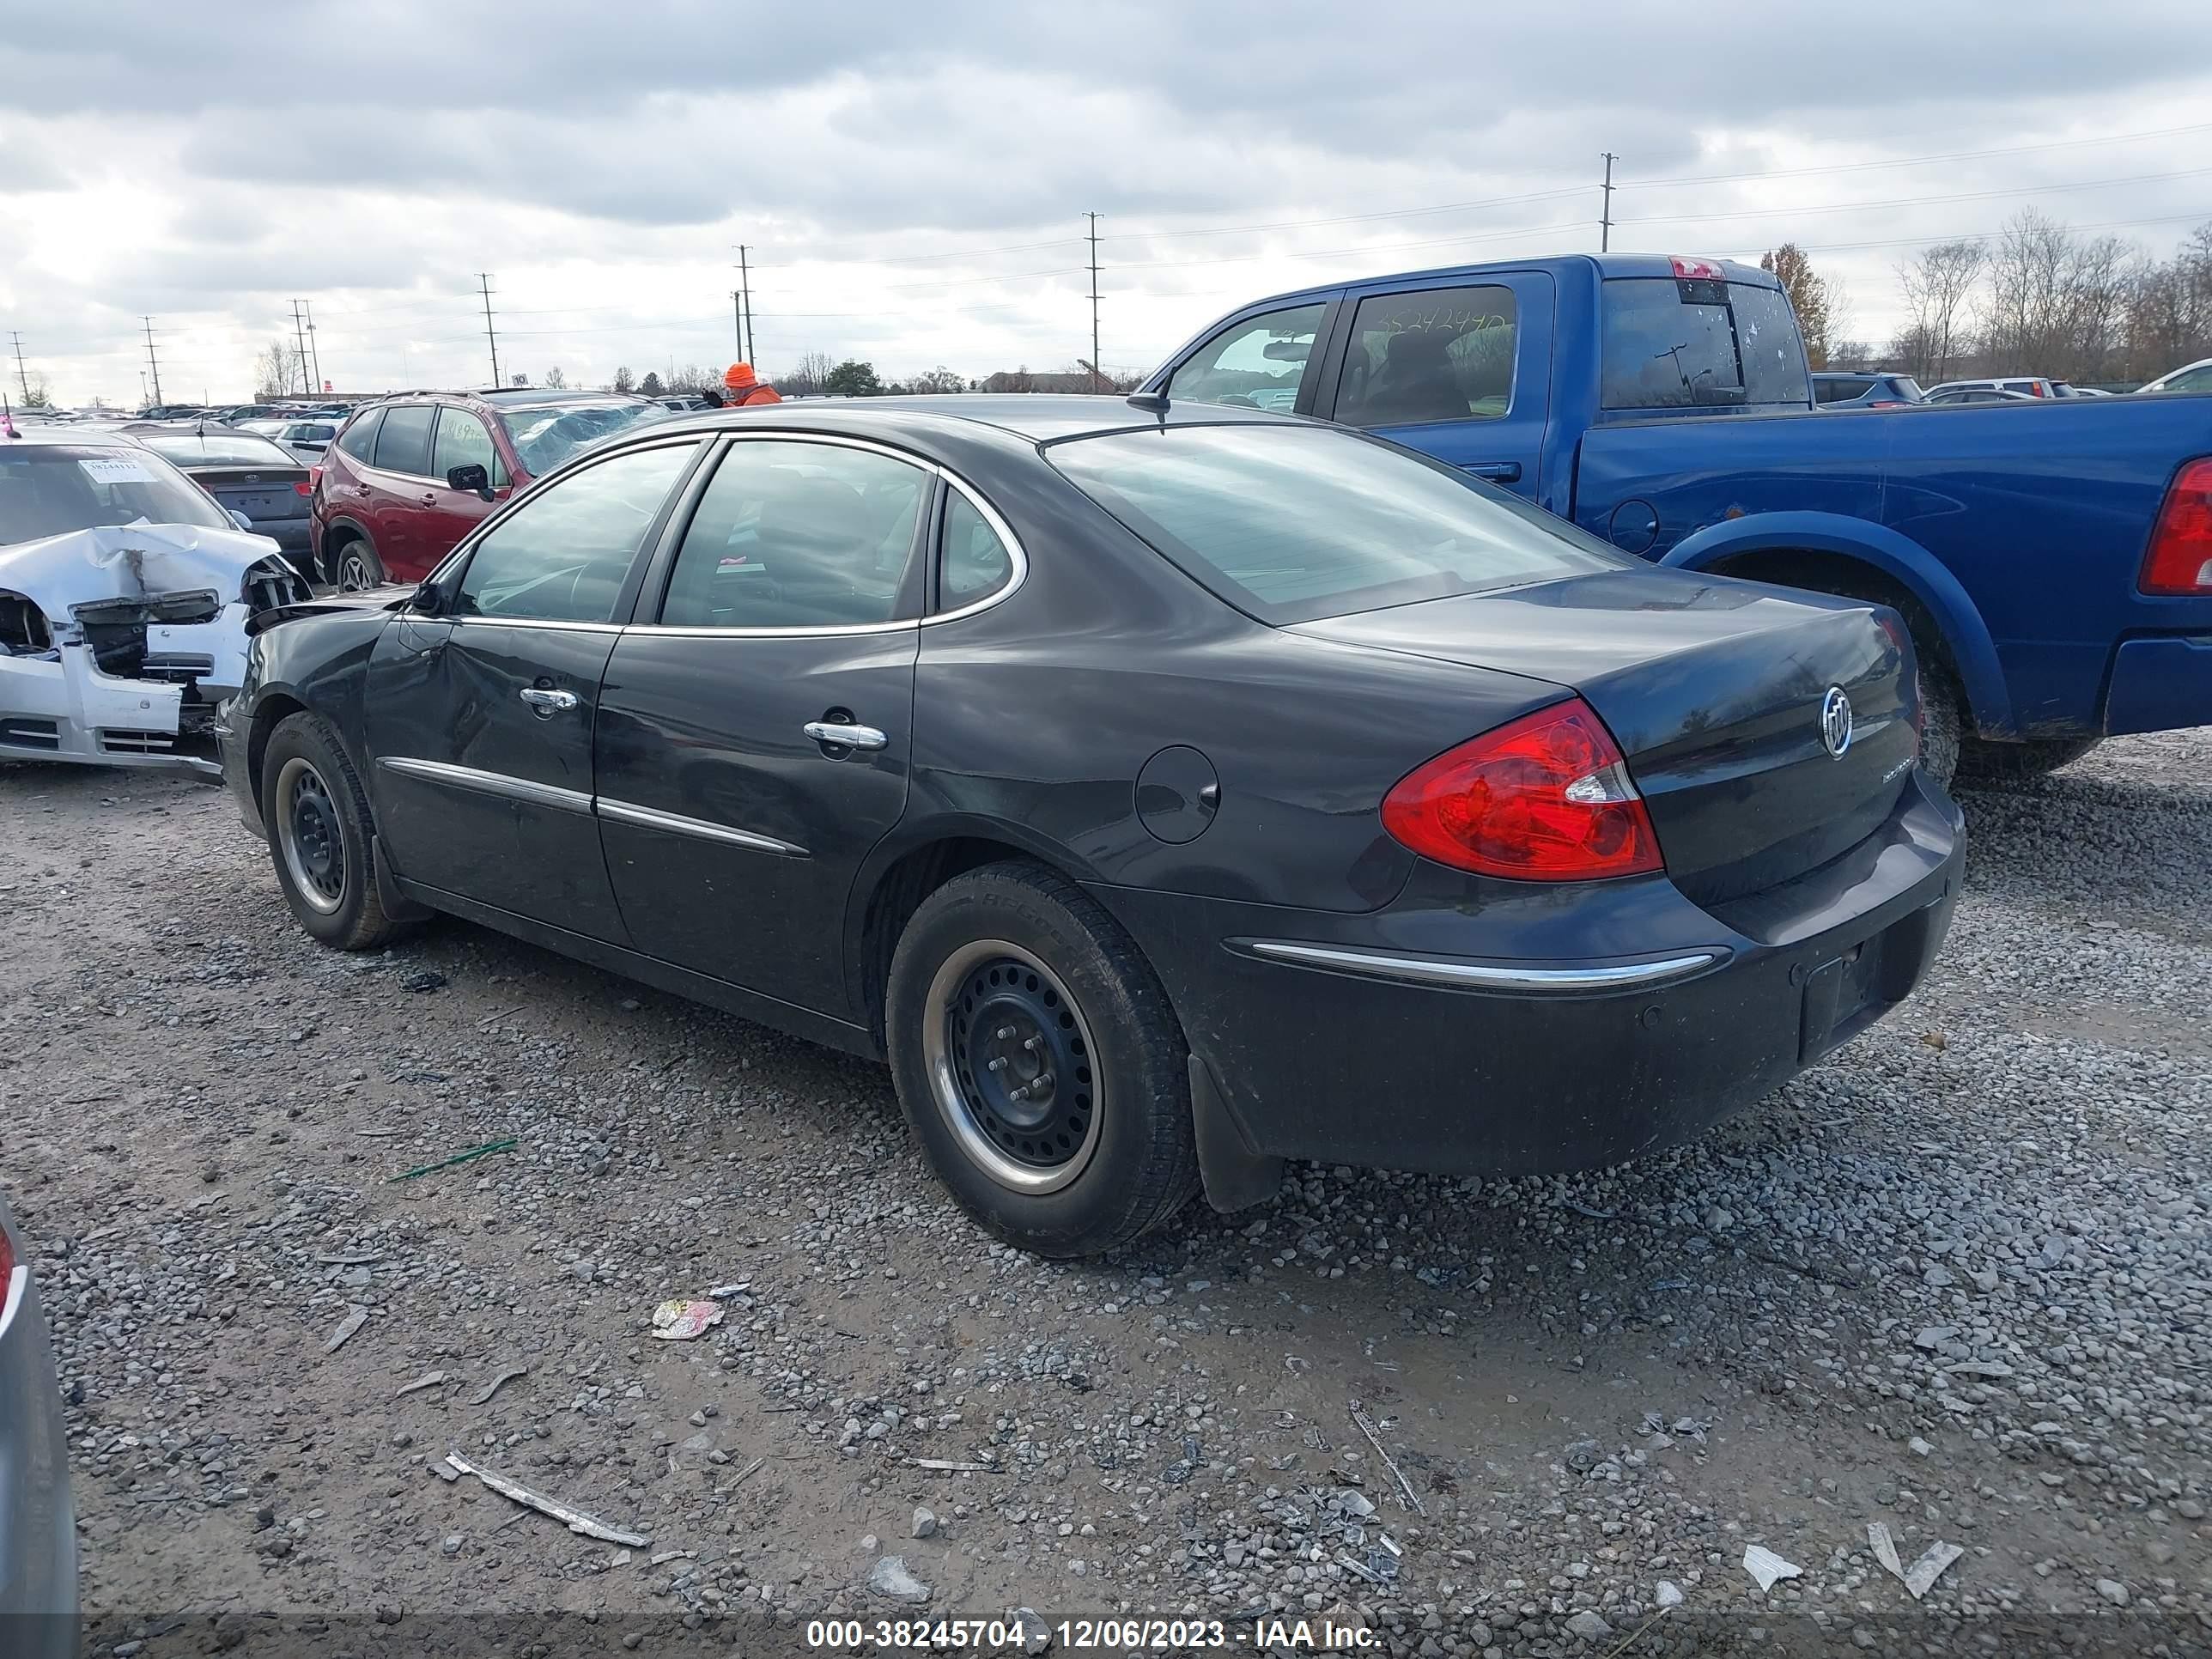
[
  {"x": 1901, "y": 637},
  {"x": 303, "y": 487},
  {"x": 6, "y": 1264},
  {"x": 2180, "y": 556},
  {"x": 1544, "y": 798}
]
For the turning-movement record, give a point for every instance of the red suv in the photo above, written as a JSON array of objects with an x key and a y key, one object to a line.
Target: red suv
[{"x": 411, "y": 475}]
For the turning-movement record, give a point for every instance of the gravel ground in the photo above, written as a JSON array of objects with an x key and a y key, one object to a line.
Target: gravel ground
[{"x": 1957, "y": 1279}]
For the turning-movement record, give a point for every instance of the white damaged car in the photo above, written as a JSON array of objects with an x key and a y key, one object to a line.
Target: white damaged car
[{"x": 125, "y": 594}]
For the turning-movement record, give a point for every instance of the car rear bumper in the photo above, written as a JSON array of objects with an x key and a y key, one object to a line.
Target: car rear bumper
[
  {"x": 38, "y": 1526},
  {"x": 2160, "y": 685},
  {"x": 1430, "y": 1036},
  {"x": 290, "y": 535}
]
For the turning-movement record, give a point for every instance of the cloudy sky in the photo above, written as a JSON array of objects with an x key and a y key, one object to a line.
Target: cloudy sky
[{"x": 911, "y": 179}]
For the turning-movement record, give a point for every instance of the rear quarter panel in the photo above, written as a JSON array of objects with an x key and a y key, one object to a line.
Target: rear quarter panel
[{"x": 2038, "y": 513}]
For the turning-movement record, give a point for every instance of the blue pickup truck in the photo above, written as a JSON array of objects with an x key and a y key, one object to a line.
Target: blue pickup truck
[{"x": 2053, "y": 558}]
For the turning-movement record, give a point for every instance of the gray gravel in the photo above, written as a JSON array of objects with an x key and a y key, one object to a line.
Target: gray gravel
[{"x": 1957, "y": 1279}]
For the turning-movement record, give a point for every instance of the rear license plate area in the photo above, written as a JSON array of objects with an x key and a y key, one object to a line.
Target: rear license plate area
[{"x": 1842, "y": 997}]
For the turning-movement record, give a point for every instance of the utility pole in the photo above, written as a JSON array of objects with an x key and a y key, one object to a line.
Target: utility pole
[
  {"x": 1605, "y": 218},
  {"x": 153, "y": 362},
  {"x": 314, "y": 351},
  {"x": 745, "y": 283},
  {"x": 737, "y": 319},
  {"x": 22, "y": 378},
  {"x": 1098, "y": 376},
  {"x": 299, "y": 337},
  {"x": 483, "y": 282}
]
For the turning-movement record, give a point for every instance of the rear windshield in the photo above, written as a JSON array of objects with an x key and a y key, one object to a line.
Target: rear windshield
[
  {"x": 237, "y": 449},
  {"x": 1673, "y": 344},
  {"x": 50, "y": 489},
  {"x": 546, "y": 435},
  {"x": 1292, "y": 523}
]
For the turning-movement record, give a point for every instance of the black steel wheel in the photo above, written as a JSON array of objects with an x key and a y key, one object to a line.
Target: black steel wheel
[
  {"x": 320, "y": 836},
  {"x": 1039, "y": 1063}
]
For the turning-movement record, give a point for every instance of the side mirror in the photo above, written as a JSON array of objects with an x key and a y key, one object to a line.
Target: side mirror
[
  {"x": 242, "y": 520},
  {"x": 470, "y": 476},
  {"x": 427, "y": 600}
]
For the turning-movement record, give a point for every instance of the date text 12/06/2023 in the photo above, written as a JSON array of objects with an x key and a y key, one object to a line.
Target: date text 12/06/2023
[{"x": 1025, "y": 1632}]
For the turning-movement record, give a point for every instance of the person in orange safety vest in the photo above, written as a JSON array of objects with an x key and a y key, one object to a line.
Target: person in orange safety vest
[{"x": 741, "y": 386}]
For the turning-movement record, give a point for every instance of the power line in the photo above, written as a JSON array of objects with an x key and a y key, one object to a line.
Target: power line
[{"x": 484, "y": 282}]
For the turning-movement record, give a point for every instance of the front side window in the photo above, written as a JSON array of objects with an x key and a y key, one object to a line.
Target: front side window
[
  {"x": 975, "y": 562},
  {"x": 1681, "y": 343},
  {"x": 798, "y": 536},
  {"x": 359, "y": 439},
  {"x": 1443, "y": 354},
  {"x": 403, "y": 445},
  {"x": 563, "y": 555},
  {"x": 1290, "y": 523},
  {"x": 463, "y": 441},
  {"x": 1259, "y": 364},
  {"x": 50, "y": 489}
]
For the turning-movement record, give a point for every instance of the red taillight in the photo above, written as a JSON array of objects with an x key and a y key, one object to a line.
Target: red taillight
[
  {"x": 303, "y": 487},
  {"x": 6, "y": 1264},
  {"x": 1901, "y": 637},
  {"x": 314, "y": 479},
  {"x": 1544, "y": 798},
  {"x": 2180, "y": 556},
  {"x": 1696, "y": 270}
]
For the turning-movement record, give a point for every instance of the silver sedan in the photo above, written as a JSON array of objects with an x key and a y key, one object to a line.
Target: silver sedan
[{"x": 38, "y": 1526}]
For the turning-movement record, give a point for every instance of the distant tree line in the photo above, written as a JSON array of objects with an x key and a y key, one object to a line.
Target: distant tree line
[{"x": 2039, "y": 299}]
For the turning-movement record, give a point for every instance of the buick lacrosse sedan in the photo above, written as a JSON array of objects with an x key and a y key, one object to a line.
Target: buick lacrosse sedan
[{"x": 1163, "y": 792}]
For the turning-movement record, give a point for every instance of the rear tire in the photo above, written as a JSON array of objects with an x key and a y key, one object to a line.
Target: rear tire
[
  {"x": 1942, "y": 715},
  {"x": 1011, "y": 979},
  {"x": 320, "y": 836},
  {"x": 354, "y": 567},
  {"x": 2033, "y": 759}
]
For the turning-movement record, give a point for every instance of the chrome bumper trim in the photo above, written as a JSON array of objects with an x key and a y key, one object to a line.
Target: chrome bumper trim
[{"x": 1478, "y": 976}]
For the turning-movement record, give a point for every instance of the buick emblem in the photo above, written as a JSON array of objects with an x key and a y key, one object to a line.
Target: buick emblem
[{"x": 1836, "y": 721}]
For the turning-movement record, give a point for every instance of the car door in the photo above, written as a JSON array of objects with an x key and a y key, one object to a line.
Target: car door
[
  {"x": 392, "y": 486},
  {"x": 1461, "y": 372},
  {"x": 461, "y": 439},
  {"x": 754, "y": 737},
  {"x": 480, "y": 711}
]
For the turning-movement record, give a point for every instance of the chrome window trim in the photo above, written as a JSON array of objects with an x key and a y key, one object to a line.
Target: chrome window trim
[
  {"x": 474, "y": 620},
  {"x": 674, "y": 823},
  {"x": 1476, "y": 976},
  {"x": 489, "y": 783},
  {"x": 1015, "y": 553},
  {"x": 677, "y": 631}
]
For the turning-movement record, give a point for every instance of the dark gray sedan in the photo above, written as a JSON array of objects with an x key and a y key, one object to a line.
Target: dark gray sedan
[
  {"x": 252, "y": 477},
  {"x": 37, "y": 1527},
  {"x": 1163, "y": 792}
]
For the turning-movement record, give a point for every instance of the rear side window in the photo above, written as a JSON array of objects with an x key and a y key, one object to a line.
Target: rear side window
[
  {"x": 1839, "y": 392},
  {"x": 1680, "y": 344},
  {"x": 800, "y": 535},
  {"x": 1443, "y": 354},
  {"x": 403, "y": 443},
  {"x": 1292, "y": 523},
  {"x": 359, "y": 439},
  {"x": 975, "y": 562},
  {"x": 1259, "y": 364}
]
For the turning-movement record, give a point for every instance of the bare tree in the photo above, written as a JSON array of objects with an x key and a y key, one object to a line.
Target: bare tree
[
  {"x": 937, "y": 382},
  {"x": 1938, "y": 288},
  {"x": 809, "y": 379},
  {"x": 624, "y": 380},
  {"x": 554, "y": 379},
  {"x": 272, "y": 370},
  {"x": 2169, "y": 310},
  {"x": 37, "y": 394}
]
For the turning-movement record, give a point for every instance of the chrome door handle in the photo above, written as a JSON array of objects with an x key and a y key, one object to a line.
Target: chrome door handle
[
  {"x": 546, "y": 702},
  {"x": 845, "y": 737}
]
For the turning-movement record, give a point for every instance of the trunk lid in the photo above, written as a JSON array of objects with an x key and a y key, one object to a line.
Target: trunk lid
[
  {"x": 260, "y": 493},
  {"x": 1714, "y": 690}
]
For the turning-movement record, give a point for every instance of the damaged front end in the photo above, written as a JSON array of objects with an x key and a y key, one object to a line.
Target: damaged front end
[{"x": 118, "y": 644}]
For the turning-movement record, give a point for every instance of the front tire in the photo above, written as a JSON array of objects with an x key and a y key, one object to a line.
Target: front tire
[
  {"x": 355, "y": 565},
  {"x": 321, "y": 836},
  {"x": 1039, "y": 1063}
]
